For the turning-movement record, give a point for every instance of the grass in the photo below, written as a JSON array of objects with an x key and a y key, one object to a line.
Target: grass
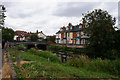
[{"x": 42, "y": 68}]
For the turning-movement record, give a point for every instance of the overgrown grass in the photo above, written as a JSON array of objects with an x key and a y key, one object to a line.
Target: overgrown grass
[
  {"x": 41, "y": 67},
  {"x": 45, "y": 54},
  {"x": 54, "y": 70},
  {"x": 99, "y": 65},
  {"x": 21, "y": 47}
]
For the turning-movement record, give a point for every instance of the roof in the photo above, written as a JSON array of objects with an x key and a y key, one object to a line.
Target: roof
[
  {"x": 58, "y": 32},
  {"x": 74, "y": 29},
  {"x": 41, "y": 33},
  {"x": 20, "y": 31}
]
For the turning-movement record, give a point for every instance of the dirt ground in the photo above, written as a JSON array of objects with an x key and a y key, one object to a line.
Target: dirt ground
[
  {"x": 6, "y": 71},
  {"x": 22, "y": 62},
  {"x": 6, "y": 68}
]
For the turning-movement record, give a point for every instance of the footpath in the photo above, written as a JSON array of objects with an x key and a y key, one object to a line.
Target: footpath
[{"x": 6, "y": 68}]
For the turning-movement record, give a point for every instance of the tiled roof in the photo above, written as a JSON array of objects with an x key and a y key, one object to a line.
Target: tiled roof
[{"x": 74, "y": 29}]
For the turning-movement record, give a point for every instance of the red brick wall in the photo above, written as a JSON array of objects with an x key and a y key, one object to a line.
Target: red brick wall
[
  {"x": 79, "y": 34},
  {"x": 68, "y": 27},
  {"x": 74, "y": 34},
  {"x": 62, "y": 35},
  {"x": 65, "y": 35}
]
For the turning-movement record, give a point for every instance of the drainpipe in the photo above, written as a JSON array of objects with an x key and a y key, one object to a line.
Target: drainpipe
[{"x": 66, "y": 39}]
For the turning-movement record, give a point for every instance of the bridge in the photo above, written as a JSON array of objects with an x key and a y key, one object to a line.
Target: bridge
[
  {"x": 43, "y": 44},
  {"x": 40, "y": 45}
]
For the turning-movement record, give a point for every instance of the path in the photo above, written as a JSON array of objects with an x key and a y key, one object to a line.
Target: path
[{"x": 6, "y": 68}]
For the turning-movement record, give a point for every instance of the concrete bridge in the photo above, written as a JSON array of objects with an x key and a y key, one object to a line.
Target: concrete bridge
[
  {"x": 43, "y": 44},
  {"x": 40, "y": 45}
]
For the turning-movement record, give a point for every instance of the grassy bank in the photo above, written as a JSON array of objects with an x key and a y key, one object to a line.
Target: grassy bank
[{"x": 41, "y": 67}]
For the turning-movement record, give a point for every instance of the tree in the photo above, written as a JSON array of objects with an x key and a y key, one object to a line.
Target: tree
[
  {"x": 7, "y": 34},
  {"x": 2, "y": 15},
  {"x": 51, "y": 38},
  {"x": 34, "y": 37},
  {"x": 99, "y": 26},
  {"x": 116, "y": 44}
]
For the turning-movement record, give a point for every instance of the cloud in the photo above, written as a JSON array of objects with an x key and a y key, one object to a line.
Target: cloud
[
  {"x": 74, "y": 9},
  {"x": 50, "y": 16}
]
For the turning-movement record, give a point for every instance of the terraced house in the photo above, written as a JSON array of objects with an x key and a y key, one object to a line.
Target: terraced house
[{"x": 72, "y": 35}]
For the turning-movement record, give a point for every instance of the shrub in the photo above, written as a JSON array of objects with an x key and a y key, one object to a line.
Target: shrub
[
  {"x": 111, "y": 54},
  {"x": 32, "y": 50},
  {"x": 55, "y": 48},
  {"x": 110, "y": 66},
  {"x": 21, "y": 47},
  {"x": 82, "y": 61},
  {"x": 49, "y": 55},
  {"x": 65, "y": 49}
]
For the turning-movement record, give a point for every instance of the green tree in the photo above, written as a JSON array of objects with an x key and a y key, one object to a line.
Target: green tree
[
  {"x": 99, "y": 26},
  {"x": 116, "y": 42},
  {"x": 51, "y": 38},
  {"x": 2, "y": 15},
  {"x": 34, "y": 37},
  {"x": 7, "y": 34}
]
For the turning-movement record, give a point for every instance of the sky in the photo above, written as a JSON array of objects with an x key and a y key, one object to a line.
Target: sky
[{"x": 50, "y": 16}]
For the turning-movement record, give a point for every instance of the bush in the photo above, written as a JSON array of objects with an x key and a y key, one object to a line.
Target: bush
[
  {"x": 55, "y": 48},
  {"x": 49, "y": 55},
  {"x": 21, "y": 47},
  {"x": 65, "y": 49},
  {"x": 32, "y": 50},
  {"x": 82, "y": 61},
  {"x": 111, "y": 54},
  {"x": 108, "y": 66}
]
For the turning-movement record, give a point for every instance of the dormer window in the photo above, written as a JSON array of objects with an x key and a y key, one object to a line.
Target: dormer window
[{"x": 70, "y": 27}]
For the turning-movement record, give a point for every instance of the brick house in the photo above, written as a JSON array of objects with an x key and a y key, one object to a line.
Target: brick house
[
  {"x": 20, "y": 35},
  {"x": 25, "y": 36},
  {"x": 72, "y": 35},
  {"x": 41, "y": 34}
]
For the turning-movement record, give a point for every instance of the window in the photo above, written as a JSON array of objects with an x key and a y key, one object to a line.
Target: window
[
  {"x": 64, "y": 41},
  {"x": 66, "y": 28},
  {"x": 83, "y": 41},
  {"x": 71, "y": 41},
  {"x": 64, "y": 34},
  {"x": 82, "y": 33},
  {"x": 77, "y": 34},
  {"x": 70, "y": 27},
  {"x": 68, "y": 34},
  {"x": 80, "y": 26},
  {"x": 77, "y": 41},
  {"x": 68, "y": 40}
]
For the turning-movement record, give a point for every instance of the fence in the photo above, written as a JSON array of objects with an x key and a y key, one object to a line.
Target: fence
[{"x": 13, "y": 73}]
